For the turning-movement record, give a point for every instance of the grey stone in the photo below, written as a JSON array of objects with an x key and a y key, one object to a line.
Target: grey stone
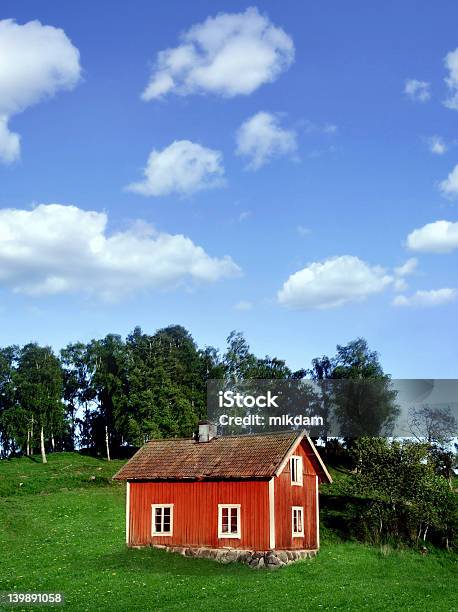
[
  {"x": 231, "y": 556},
  {"x": 272, "y": 560}
]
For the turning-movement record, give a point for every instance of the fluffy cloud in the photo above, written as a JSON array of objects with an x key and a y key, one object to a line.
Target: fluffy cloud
[
  {"x": 183, "y": 167},
  {"x": 451, "y": 63},
  {"x": 55, "y": 249},
  {"x": 261, "y": 138},
  {"x": 230, "y": 54},
  {"x": 36, "y": 61},
  {"x": 401, "y": 272},
  {"x": 449, "y": 186},
  {"x": 433, "y": 297},
  {"x": 437, "y": 237},
  {"x": 332, "y": 283},
  {"x": 407, "y": 268},
  {"x": 10, "y": 143},
  {"x": 437, "y": 145},
  {"x": 417, "y": 90}
]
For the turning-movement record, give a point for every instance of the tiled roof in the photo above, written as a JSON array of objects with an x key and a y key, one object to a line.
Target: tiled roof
[{"x": 230, "y": 457}]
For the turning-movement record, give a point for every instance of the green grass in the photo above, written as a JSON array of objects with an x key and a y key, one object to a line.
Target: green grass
[
  {"x": 66, "y": 533},
  {"x": 62, "y": 472}
]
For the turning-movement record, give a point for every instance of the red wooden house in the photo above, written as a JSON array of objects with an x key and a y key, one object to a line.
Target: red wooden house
[{"x": 250, "y": 492}]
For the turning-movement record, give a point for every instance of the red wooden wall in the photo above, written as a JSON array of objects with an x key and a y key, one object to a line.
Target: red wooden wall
[
  {"x": 195, "y": 513},
  {"x": 288, "y": 495}
]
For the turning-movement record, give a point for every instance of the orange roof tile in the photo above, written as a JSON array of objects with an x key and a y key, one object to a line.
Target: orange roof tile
[{"x": 229, "y": 457}]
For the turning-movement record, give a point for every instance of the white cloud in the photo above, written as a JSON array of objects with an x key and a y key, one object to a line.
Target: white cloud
[
  {"x": 401, "y": 272},
  {"x": 437, "y": 237},
  {"x": 36, "y": 61},
  {"x": 451, "y": 63},
  {"x": 10, "y": 143},
  {"x": 449, "y": 186},
  {"x": 419, "y": 91},
  {"x": 332, "y": 283},
  {"x": 183, "y": 167},
  {"x": 243, "y": 306},
  {"x": 55, "y": 249},
  {"x": 407, "y": 268},
  {"x": 260, "y": 138},
  {"x": 433, "y": 297},
  {"x": 229, "y": 55},
  {"x": 437, "y": 145}
]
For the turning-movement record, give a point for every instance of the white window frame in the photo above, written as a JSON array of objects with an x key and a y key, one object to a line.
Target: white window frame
[
  {"x": 300, "y": 510},
  {"x": 298, "y": 470},
  {"x": 225, "y": 535},
  {"x": 153, "y": 520}
]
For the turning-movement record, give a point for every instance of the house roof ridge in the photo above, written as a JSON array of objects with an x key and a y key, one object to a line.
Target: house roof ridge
[
  {"x": 219, "y": 437},
  {"x": 227, "y": 457}
]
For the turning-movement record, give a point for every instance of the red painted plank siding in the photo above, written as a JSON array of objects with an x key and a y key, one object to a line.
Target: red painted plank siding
[
  {"x": 195, "y": 513},
  {"x": 287, "y": 496}
]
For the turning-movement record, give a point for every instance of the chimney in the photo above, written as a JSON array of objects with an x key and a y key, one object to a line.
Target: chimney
[{"x": 207, "y": 431}]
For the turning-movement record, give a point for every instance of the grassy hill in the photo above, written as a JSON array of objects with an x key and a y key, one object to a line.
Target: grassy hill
[{"x": 62, "y": 529}]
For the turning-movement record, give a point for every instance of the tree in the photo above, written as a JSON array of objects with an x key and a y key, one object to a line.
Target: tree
[
  {"x": 79, "y": 393},
  {"x": 38, "y": 380},
  {"x": 107, "y": 363},
  {"x": 167, "y": 383},
  {"x": 364, "y": 401},
  {"x": 403, "y": 490},
  {"x": 443, "y": 462},
  {"x": 238, "y": 360},
  {"x": 11, "y": 421},
  {"x": 433, "y": 424}
]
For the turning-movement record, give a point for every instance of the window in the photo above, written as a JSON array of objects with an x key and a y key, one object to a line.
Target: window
[
  {"x": 162, "y": 519},
  {"x": 296, "y": 470},
  {"x": 298, "y": 521},
  {"x": 229, "y": 521}
]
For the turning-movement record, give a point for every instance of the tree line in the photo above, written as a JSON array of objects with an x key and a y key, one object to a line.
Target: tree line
[{"x": 112, "y": 392}]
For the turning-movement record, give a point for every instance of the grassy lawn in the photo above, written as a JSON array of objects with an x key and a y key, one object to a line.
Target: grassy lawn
[{"x": 63, "y": 530}]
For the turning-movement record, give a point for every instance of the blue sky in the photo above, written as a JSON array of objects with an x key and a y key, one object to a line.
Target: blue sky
[{"x": 315, "y": 201}]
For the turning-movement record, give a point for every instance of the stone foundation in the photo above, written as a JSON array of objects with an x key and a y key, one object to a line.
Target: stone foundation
[{"x": 270, "y": 559}]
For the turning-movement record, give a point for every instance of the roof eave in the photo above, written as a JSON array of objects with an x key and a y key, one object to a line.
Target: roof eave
[
  {"x": 294, "y": 444},
  {"x": 319, "y": 459}
]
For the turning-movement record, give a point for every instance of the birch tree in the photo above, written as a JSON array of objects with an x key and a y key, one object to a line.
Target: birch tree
[{"x": 39, "y": 390}]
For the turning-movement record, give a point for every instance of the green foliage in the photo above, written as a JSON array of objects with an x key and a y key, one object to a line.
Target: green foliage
[
  {"x": 166, "y": 382},
  {"x": 362, "y": 399},
  {"x": 407, "y": 498},
  {"x": 31, "y": 389}
]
